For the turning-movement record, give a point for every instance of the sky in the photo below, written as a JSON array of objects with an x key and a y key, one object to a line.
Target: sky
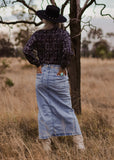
[{"x": 93, "y": 13}]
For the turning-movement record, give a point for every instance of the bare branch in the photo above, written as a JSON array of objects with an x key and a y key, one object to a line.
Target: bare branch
[
  {"x": 29, "y": 2},
  {"x": 86, "y": 5},
  {"x": 67, "y": 26},
  {"x": 53, "y": 2},
  {"x": 4, "y": 3},
  {"x": 22, "y": 21},
  {"x": 48, "y": 2},
  {"x": 63, "y": 6},
  {"x": 78, "y": 7},
  {"x": 16, "y": 22},
  {"x": 83, "y": 9},
  {"x": 79, "y": 20},
  {"x": 86, "y": 2},
  {"x": 83, "y": 28},
  {"x": 86, "y": 24},
  {"x": 42, "y": 4},
  {"x": 101, "y": 12},
  {"x": 1, "y": 18},
  {"x": 25, "y": 4}
]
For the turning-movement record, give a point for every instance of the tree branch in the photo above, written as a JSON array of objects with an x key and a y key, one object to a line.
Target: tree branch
[
  {"x": 22, "y": 21},
  {"x": 67, "y": 26},
  {"x": 86, "y": 24},
  {"x": 83, "y": 9},
  {"x": 86, "y": 5},
  {"x": 78, "y": 7},
  {"x": 101, "y": 12},
  {"x": 25, "y": 4},
  {"x": 1, "y": 18},
  {"x": 83, "y": 28},
  {"x": 63, "y": 6},
  {"x": 4, "y": 3},
  {"x": 79, "y": 20},
  {"x": 48, "y": 2},
  {"x": 29, "y": 2},
  {"x": 16, "y": 22}
]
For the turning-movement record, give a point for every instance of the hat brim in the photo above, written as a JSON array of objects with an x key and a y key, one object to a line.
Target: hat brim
[{"x": 42, "y": 15}]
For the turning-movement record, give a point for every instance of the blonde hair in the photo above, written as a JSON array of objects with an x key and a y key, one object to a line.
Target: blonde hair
[{"x": 52, "y": 25}]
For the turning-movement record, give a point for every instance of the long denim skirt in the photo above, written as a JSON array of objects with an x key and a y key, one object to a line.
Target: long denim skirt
[{"x": 56, "y": 116}]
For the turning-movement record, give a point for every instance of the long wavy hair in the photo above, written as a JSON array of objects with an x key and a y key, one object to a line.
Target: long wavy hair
[{"x": 52, "y": 25}]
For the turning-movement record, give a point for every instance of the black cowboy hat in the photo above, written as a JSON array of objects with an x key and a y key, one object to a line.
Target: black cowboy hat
[{"x": 51, "y": 14}]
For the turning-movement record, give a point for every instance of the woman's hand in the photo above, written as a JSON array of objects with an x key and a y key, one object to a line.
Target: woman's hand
[
  {"x": 63, "y": 71},
  {"x": 39, "y": 69}
]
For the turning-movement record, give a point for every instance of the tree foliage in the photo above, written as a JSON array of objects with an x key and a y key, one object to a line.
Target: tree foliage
[
  {"x": 101, "y": 49},
  {"x": 85, "y": 48},
  {"x": 22, "y": 36},
  {"x": 6, "y": 48}
]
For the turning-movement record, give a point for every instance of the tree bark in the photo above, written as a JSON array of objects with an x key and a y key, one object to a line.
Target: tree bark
[{"x": 74, "y": 68}]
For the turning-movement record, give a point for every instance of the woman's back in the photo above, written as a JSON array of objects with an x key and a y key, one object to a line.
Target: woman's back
[{"x": 51, "y": 45}]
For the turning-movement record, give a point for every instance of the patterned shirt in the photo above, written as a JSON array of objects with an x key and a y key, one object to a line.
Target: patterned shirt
[{"x": 52, "y": 46}]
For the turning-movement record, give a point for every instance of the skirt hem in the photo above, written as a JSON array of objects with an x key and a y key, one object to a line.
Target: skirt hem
[{"x": 57, "y": 135}]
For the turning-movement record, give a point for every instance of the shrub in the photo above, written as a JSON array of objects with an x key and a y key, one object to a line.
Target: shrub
[
  {"x": 9, "y": 82},
  {"x": 4, "y": 64}
]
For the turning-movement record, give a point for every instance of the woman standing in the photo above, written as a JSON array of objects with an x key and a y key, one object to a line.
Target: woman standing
[{"x": 56, "y": 116}]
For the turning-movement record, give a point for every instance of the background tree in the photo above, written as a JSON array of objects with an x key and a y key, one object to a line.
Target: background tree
[
  {"x": 76, "y": 13},
  {"x": 110, "y": 34},
  {"x": 112, "y": 53},
  {"x": 6, "y": 47},
  {"x": 95, "y": 33},
  {"x": 85, "y": 48},
  {"x": 101, "y": 49},
  {"x": 22, "y": 36}
]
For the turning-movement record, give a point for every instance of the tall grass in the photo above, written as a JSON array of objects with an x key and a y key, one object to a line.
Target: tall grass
[{"x": 18, "y": 114}]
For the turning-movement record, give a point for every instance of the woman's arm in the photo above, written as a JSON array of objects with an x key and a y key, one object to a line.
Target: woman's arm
[
  {"x": 29, "y": 51},
  {"x": 67, "y": 51}
]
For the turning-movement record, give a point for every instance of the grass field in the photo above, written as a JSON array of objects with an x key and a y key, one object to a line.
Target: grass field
[{"x": 18, "y": 113}]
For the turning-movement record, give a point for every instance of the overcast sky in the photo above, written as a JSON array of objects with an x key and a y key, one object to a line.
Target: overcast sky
[{"x": 106, "y": 23}]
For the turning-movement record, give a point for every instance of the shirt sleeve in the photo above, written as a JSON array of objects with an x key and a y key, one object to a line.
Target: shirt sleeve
[
  {"x": 29, "y": 51},
  {"x": 67, "y": 51}
]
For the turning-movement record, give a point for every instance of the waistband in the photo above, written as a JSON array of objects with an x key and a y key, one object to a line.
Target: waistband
[{"x": 51, "y": 65}]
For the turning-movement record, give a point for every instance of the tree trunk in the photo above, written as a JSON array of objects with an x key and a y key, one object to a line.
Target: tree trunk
[{"x": 74, "y": 68}]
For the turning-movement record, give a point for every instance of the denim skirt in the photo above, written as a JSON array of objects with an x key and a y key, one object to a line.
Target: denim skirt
[{"x": 56, "y": 116}]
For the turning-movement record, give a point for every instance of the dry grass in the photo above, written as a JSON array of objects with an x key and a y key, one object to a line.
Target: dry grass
[{"x": 18, "y": 113}]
